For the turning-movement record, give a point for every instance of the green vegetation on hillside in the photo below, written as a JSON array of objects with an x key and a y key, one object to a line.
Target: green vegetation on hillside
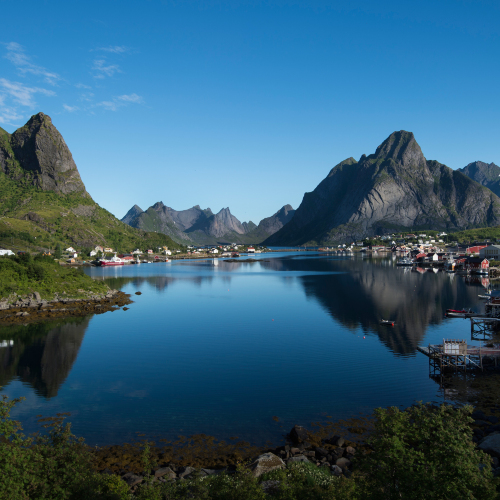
[
  {"x": 39, "y": 220},
  {"x": 23, "y": 274}
]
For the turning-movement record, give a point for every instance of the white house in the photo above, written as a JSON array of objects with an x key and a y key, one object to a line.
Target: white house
[
  {"x": 251, "y": 250},
  {"x": 136, "y": 252},
  {"x": 168, "y": 252},
  {"x": 6, "y": 252},
  {"x": 214, "y": 250},
  {"x": 491, "y": 252},
  {"x": 93, "y": 253},
  {"x": 70, "y": 250}
]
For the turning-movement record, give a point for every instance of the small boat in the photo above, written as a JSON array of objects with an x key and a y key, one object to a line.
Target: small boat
[
  {"x": 387, "y": 322},
  {"x": 235, "y": 255},
  {"x": 405, "y": 261},
  {"x": 459, "y": 313},
  {"x": 485, "y": 297}
]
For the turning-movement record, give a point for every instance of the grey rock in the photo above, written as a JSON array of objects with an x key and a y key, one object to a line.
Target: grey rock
[
  {"x": 132, "y": 479},
  {"x": 185, "y": 471},
  {"x": 337, "y": 441},
  {"x": 350, "y": 450},
  {"x": 298, "y": 434},
  {"x": 478, "y": 415},
  {"x": 165, "y": 471},
  {"x": 271, "y": 486},
  {"x": 321, "y": 452},
  {"x": 491, "y": 444},
  {"x": 212, "y": 472},
  {"x": 493, "y": 419},
  {"x": 266, "y": 463},
  {"x": 343, "y": 463},
  {"x": 336, "y": 470},
  {"x": 37, "y": 296},
  {"x": 298, "y": 458}
]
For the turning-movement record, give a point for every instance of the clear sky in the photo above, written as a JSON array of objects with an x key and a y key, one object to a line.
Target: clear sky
[{"x": 248, "y": 104}]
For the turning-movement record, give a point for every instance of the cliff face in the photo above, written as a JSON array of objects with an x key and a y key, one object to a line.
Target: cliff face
[
  {"x": 395, "y": 188},
  {"x": 37, "y": 153},
  {"x": 487, "y": 174}
]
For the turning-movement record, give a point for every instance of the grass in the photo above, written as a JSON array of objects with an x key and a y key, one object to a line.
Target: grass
[
  {"x": 53, "y": 218},
  {"x": 24, "y": 274}
]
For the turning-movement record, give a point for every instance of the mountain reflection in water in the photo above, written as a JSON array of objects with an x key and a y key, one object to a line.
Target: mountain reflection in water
[
  {"x": 41, "y": 354},
  {"x": 222, "y": 347}
]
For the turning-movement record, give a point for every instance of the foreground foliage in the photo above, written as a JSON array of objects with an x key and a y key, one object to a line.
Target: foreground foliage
[
  {"x": 422, "y": 452},
  {"x": 24, "y": 274}
]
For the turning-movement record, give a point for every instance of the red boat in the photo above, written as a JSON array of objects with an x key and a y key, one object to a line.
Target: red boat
[
  {"x": 456, "y": 311},
  {"x": 114, "y": 261}
]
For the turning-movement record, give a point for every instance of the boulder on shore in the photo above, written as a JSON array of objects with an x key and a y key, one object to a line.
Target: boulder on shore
[{"x": 266, "y": 463}]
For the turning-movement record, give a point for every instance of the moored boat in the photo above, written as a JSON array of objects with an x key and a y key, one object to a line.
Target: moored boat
[
  {"x": 114, "y": 261},
  {"x": 387, "y": 322},
  {"x": 405, "y": 261}
]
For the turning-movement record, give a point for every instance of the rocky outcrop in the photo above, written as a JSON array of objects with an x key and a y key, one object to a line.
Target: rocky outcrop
[
  {"x": 395, "y": 188},
  {"x": 37, "y": 153},
  {"x": 487, "y": 174}
]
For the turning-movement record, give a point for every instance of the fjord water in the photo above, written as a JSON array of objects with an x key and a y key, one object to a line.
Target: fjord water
[{"x": 221, "y": 347}]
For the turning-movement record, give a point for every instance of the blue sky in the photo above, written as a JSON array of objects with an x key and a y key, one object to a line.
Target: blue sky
[{"x": 248, "y": 104}]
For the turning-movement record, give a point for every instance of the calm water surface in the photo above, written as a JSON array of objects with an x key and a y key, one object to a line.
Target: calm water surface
[{"x": 221, "y": 349}]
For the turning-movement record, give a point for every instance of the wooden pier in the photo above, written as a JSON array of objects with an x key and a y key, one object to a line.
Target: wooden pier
[{"x": 456, "y": 355}]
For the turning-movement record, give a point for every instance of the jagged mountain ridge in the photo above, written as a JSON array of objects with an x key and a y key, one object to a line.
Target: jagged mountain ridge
[
  {"x": 487, "y": 174},
  {"x": 393, "y": 189},
  {"x": 203, "y": 226}
]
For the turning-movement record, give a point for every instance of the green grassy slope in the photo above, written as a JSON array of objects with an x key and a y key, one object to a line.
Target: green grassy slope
[{"x": 39, "y": 220}]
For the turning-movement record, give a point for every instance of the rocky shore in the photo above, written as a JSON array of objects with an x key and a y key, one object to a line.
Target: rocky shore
[
  {"x": 17, "y": 309},
  {"x": 335, "y": 454}
]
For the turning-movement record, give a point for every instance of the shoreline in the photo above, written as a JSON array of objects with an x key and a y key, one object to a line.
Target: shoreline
[{"x": 31, "y": 308}]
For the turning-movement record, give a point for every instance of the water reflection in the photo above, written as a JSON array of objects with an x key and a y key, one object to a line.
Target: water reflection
[
  {"x": 358, "y": 293},
  {"x": 41, "y": 355}
]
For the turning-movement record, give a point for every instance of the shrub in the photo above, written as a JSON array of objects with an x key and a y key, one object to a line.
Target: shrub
[{"x": 426, "y": 452}]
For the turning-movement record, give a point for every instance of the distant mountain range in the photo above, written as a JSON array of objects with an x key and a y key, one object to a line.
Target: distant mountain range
[
  {"x": 203, "y": 227},
  {"x": 394, "y": 189}
]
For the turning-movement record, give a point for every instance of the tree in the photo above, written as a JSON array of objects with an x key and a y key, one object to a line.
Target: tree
[
  {"x": 426, "y": 452},
  {"x": 58, "y": 251}
]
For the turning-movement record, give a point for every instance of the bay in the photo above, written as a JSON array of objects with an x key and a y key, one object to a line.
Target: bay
[{"x": 221, "y": 347}]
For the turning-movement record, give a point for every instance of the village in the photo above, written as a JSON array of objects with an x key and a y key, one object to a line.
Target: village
[{"x": 161, "y": 254}]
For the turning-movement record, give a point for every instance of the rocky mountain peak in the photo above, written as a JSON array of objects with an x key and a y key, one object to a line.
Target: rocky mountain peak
[
  {"x": 158, "y": 205},
  {"x": 38, "y": 153},
  {"x": 402, "y": 148}
]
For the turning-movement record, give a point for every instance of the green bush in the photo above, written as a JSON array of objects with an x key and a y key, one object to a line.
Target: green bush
[{"x": 426, "y": 452}]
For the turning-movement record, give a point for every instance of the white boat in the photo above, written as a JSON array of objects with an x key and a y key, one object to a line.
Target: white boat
[{"x": 405, "y": 261}]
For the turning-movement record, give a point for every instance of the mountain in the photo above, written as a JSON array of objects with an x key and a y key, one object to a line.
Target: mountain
[
  {"x": 38, "y": 155},
  {"x": 134, "y": 212},
  {"x": 203, "y": 227},
  {"x": 44, "y": 202},
  {"x": 487, "y": 174},
  {"x": 395, "y": 188}
]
